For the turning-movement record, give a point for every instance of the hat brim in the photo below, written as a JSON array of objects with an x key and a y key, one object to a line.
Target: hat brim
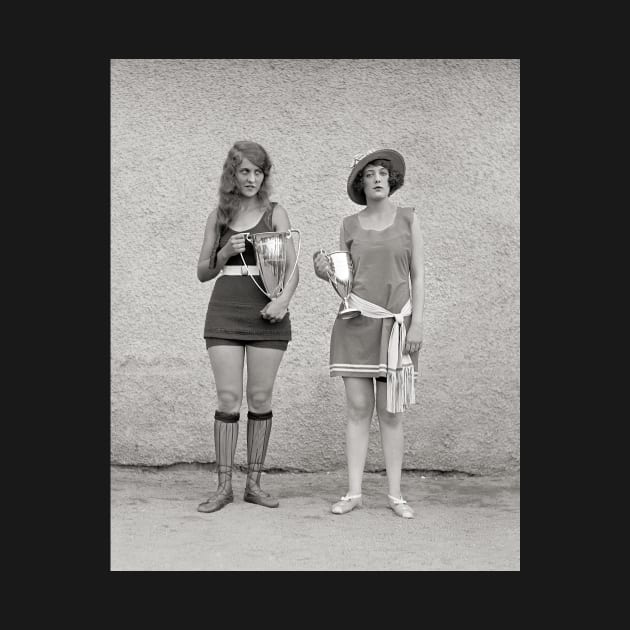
[{"x": 398, "y": 164}]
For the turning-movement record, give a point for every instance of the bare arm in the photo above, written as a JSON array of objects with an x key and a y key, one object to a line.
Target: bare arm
[
  {"x": 204, "y": 272},
  {"x": 415, "y": 332},
  {"x": 235, "y": 245},
  {"x": 342, "y": 239}
]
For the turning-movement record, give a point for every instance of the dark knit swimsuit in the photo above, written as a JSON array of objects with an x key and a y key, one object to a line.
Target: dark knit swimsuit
[{"x": 233, "y": 316}]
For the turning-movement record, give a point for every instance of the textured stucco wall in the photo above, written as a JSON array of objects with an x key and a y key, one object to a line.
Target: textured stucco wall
[{"x": 457, "y": 124}]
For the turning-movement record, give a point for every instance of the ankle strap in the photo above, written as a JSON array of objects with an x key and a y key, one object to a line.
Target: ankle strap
[
  {"x": 397, "y": 501},
  {"x": 349, "y": 497}
]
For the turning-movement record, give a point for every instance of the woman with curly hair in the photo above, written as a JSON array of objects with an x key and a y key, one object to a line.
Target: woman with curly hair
[
  {"x": 241, "y": 321},
  {"x": 376, "y": 350}
]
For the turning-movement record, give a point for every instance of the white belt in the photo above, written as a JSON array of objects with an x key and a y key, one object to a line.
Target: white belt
[{"x": 241, "y": 270}]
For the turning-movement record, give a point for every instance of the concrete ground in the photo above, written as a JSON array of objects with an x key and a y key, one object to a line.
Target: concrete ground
[{"x": 462, "y": 523}]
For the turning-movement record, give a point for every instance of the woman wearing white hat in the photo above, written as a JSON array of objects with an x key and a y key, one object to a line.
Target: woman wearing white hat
[{"x": 376, "y": 352}]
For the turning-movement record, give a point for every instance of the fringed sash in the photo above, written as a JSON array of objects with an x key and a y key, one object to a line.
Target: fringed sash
[{"x": 400, "y": 389}]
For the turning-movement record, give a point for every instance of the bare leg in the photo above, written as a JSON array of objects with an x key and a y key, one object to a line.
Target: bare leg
[
  {"x": 359, "y": 409},
  {"x": 227, "y": 367},
  {"x": 262, "y": 368},
  {"x": 392, "y": 442}
]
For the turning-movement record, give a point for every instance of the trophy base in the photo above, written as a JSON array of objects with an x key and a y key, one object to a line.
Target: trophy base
[{"x": 349, "y": 313}]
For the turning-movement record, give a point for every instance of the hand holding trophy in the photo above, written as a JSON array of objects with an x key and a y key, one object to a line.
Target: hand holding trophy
[{"x": 340, "y": 275}]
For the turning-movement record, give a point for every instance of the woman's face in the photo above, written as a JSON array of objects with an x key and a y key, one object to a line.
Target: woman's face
[
  {"x": 375, "y": 182},
  {"x": 249, "y": 178}
]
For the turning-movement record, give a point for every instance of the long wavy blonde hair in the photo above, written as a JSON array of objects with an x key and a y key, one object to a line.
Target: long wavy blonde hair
[{"x": 229, "y": 194}]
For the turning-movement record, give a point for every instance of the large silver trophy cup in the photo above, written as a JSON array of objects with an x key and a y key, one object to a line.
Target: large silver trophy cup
[
  {"x": 271, "y": 257},
  {"x": 341, "y": 276}
]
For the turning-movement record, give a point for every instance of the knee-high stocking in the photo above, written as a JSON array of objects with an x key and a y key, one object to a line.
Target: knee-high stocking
[
  {"x": 258, "y": 430},
  {"x": 225, "y": 438}
]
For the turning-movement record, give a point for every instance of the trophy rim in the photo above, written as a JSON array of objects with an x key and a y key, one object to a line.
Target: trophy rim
[
  {"x": 254, "y": 234},
  {"x": 340, "y": 251},
  {"x": 349, "y": 313}
]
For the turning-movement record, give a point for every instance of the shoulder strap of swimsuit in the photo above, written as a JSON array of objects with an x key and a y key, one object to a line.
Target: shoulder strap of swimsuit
[{"x": 268, "y": 216}]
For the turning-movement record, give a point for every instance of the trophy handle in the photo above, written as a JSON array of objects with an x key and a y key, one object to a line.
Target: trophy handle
[
  {"x": 249, "y": 238},
  {"x": 245, "y": 265},
  {"x": 297, "y": 254}
]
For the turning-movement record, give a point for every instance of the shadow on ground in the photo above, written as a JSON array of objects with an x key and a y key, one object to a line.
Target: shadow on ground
[{"x": 462, "y": 523}]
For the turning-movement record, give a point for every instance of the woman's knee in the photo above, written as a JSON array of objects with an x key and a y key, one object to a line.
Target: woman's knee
[
  {"x": 386, "y": 417},
  {"x": 359, "y": 408},
  {"x": 259, "y": 399},
  {"x": 229, "y": 401}
]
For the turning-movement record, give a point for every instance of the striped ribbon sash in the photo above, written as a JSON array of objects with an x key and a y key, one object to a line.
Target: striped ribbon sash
[{"x": 400, "y": 389}]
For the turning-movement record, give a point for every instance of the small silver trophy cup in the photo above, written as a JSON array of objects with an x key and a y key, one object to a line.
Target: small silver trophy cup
[
  {"x": 341, "y": 276},
  {"x": 271, "y": 257}
]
